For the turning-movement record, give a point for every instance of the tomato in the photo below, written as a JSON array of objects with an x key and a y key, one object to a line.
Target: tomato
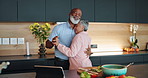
[
  {"x": 111, "y": 76},
  {"x": 94, "y": 76},
  {"x": 122, "y": 76},
  {"x": 107, "y": 77}
]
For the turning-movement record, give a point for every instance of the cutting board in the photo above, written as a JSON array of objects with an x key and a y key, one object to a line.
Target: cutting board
[{"x": 100, "y": 74}]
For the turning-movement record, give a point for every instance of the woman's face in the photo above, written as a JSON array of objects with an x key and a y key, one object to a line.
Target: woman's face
[{"x": 78, "y": 28}]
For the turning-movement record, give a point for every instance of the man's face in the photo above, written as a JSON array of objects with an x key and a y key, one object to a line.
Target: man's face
[
  {"x": 77, "y": 13},
  {"x": 75, "y": 16}
]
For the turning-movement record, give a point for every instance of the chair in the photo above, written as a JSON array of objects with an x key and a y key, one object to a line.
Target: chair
[{"x": 49, "y": 71}]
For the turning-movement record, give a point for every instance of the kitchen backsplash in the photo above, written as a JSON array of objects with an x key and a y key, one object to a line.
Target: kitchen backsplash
[{"x": 107, "y": 36}]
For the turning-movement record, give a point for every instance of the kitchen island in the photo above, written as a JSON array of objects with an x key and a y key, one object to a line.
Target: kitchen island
[
  {"x": 23, "y": 64},
  {"x": 139, "y": 71}
]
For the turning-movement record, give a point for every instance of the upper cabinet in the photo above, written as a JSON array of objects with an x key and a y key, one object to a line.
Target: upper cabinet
[
  {"x": 105, "y": 10},
  {"x": 120, "y": 11},
  {"x": 87, "y": 7},
  {"x": 142, "y": 11},
  {"x": 8, "y": 10},
  {"x": 126, "y": 11},
  {"x": 31, "y": 10},
  {"x": 57, "y": 10}
]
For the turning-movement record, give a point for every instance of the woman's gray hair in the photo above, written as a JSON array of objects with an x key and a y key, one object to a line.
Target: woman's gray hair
[{"x": 85, "y": 24}]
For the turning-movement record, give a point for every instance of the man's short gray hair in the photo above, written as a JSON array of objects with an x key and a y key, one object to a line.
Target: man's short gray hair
[{"x": 85, "y": 24}]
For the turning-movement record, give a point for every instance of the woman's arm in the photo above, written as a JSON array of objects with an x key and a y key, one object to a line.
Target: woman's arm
[{"x": 74, "y": 48}]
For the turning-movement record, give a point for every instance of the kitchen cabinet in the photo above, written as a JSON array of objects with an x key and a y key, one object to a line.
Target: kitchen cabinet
[
  {"x": 87, "y": 7},
  {"x": 145, "y": 58},
  {"x": 141, "y": 11},
  {"x": 105, "y": 10},
  {"x": 120, "y": 11},
  {"x": 119, "y": 59},
  {"x": 19, "y": 66},
  {"x": 123, "y": 59},
  {"x": 31, "y": 10},
  {"x": 57, "y": 10},
  {"x": 126, "y": 11},
  {"x": 8, "y": 10},
  {"x": 96, "y": 61}
]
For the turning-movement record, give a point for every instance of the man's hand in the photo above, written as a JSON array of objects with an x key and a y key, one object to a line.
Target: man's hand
[
  {"x": 88, "y": 52},
  {"x": 49, "y": 44},
  {"x": 55, "y": 41}
]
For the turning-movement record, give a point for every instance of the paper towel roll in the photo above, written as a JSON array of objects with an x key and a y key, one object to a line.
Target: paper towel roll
[{"x": 27, "y": 46}]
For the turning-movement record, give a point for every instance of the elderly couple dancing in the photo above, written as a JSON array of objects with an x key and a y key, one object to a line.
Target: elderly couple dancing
[{"x": 71, "y": 41}]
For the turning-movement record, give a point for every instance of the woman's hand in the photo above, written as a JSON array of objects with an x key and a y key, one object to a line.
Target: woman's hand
[{"x": 55, "y": 41}]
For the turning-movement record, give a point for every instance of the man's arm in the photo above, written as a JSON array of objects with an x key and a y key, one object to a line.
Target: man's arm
[
  {"x": 88, "y": 51},
  {"x": 49, "y": 44}
]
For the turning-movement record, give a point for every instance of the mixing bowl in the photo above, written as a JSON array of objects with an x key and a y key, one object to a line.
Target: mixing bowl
[{"x": 114, "y": 69}]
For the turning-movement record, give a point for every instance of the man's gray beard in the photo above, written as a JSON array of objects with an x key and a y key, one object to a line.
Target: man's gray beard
[{"x": 73, "y": 20}]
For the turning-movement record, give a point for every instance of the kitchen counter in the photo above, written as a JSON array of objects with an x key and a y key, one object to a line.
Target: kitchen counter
[
  {"x": 19, "y": 64},
  {"x": 22, "y": 57},
  {"x": 51, "y": 56},
  {"x": 109, "y": 53}
]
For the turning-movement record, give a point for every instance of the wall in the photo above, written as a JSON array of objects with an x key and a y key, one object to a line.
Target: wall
[
  {"x": 115, "y": 36},
  {"x": 108, "y": 37},
  {"x": 18, "y": 30}
]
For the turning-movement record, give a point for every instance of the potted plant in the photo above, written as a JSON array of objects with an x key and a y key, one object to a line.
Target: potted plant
[
  {"x": 41, "y": 33},
  {"x": 133, "y": 39}
]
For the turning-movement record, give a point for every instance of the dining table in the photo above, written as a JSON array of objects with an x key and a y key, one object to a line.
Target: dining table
[{"x": 138, "y": 71}]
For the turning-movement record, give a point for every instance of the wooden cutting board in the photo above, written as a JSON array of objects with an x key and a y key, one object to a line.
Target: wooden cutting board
[
  {"x": 80, "y": 71},
  {"x": 100, "y": 74}
]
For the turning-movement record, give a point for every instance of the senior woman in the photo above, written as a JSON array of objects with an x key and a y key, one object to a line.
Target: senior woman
[{"x": 76, "y": 53}]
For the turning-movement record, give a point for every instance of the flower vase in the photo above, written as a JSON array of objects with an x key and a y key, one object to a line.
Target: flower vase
[{"x": 42, "y": 50}]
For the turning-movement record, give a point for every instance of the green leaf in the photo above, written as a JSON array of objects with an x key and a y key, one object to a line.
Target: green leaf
[
  {"x": 136, "y": 41},
  {"x": 85, "y": 75},
  {"x": 82, "y": 75},
  {"x": 137, "y": 46}
]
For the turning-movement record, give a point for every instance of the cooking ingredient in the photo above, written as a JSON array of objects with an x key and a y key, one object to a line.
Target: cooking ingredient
[
  {"x": 111, "y": 77},
  {"x": 122, "y": 76},
  {"x": 130, "y": 77},
  {"x": 98, "y": 69},
  {"x": 92, "y": 72},
  {"x": 85, "y": 75},
  {"x": 94, "y": 76}
]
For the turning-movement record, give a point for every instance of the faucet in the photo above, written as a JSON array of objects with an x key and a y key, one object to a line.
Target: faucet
[{"x": 4, "y": 65}]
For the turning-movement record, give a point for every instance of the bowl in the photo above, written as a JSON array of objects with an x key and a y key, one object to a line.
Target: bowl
[{"x": 114, "y": 69}]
